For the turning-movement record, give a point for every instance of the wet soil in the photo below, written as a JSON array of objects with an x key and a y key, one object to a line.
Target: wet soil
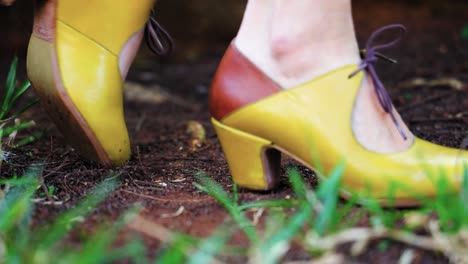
[{"x": 429, "y": 86}]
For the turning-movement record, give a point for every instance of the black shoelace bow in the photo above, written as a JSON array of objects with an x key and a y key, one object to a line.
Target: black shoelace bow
[{"x": 157, "y": 38}]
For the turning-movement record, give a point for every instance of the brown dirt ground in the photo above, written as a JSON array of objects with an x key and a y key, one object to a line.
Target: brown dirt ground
[{"x": 161, "y": 171}]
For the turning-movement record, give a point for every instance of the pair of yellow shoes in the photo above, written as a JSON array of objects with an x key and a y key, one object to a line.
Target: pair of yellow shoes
[{"x": 76, "y": 67}]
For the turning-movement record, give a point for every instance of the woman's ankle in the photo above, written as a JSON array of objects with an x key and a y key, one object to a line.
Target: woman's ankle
[
  {"x": 286, "y": 43},
  {"x": 294, "y": 43}
]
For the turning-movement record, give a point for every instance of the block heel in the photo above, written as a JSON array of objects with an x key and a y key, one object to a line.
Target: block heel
[
  {"x": 253, "y": 161},
  {"x": 48, "y": 87}
]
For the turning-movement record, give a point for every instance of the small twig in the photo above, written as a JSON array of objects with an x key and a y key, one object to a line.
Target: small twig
[
  {"x": 45, "y": 189},
  {"x": 143, "y": 195},
  {"x": 257, "y": 216},
  {"x": 140, "y": 122},
  {"x": 140, "y": 162},
  {"x": 363, "y": 233},
  {"x": 173, "y": 215},
  {"x": 57, "y": 169},
  {"x": 151, "y": 229},
  {"x": 179, "y": 101},
  {"x": 449, "y": 82},
  {"x": 12, "y": 136},
  {"x": 138, "y": 182},
  {"x": 438, "y": 242},
  {"x": 41, "y": 201},
  {"x": 407, "y": 257},
  {"x": 461, "y": 114},
  {"x": 330, "y": 258}
]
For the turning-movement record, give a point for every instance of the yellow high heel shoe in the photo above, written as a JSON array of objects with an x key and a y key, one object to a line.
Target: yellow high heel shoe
[
  {"x": 77, "y": 60},
  {"x": 256, "y": 121}
]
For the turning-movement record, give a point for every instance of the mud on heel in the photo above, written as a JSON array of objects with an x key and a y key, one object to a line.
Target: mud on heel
[{"x": 253, "y": 161}]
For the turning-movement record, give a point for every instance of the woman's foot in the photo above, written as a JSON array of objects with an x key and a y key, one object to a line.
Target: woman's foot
[
  {"x": 292, "y": 82},
  {"x": 294, "y": 42}
]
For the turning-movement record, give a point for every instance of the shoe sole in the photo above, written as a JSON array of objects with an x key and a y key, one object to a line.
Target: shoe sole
[{"x": 43, "y": 71}]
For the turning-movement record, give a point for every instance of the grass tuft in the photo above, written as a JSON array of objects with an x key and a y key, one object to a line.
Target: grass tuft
[
  {"x": 21, "y": 243},
  {"x": 12, "y": 93},
  {"x": 212, "y": 188}
]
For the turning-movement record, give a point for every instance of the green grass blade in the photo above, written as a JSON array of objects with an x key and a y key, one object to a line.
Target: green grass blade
[
  {"x": 98, "y": 247},
  {"x": 235, "y": 194},
  {"x": 19, "y": 204},
  {"x": 445, "y": 206},
  {"x": 175, "y": 252},
  {"x": 11, "y": 78},
  {"x": 135, "y": 251},
  {"x": 10, "y": 88},
  {"x": 273, "y": 249},
  {"x": 328, "y": 194},
  {"x": 59, "y": 228},
  {"x": 345, "y": 211},
  {"x": 29, "y": 140},
  {"x": 19, "y": 112},
  {"x": 20, "y": 92},
  {"x": 210, "y": 247},
  {"x": 464, "y": 195},
  {"x": 16, "y": 204},
  {"x": 464, "y": 33},
  {"x": 270, "y": 204},
  {"x": 25, "y": 180},
  {"x": 297, "y": 184},
  {"x": 8, "y": 130},
  {"x": 216, "y": 191}
]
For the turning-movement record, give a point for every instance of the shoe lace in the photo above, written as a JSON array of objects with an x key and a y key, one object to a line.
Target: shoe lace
[
  {"x": 159, "y": 41},
  {"x": 371, "y": 55}
]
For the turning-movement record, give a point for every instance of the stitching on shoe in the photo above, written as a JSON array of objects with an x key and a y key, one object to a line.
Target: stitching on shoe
[{"x": 87, "y": 37}]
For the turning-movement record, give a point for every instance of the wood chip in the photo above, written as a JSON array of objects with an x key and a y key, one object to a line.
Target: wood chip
[
  {"x": 176, "y": 214},
  {"x": 147, "y": 94},
  {"x": 450, "y": 82}
]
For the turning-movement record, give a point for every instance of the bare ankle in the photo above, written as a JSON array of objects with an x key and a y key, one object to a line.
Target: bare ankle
[{"x": 290, "y": 54}]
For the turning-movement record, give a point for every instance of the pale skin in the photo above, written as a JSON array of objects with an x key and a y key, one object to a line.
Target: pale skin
[
  {"x": 294, "y": 41},
  {"x": 7, "y": 2}
]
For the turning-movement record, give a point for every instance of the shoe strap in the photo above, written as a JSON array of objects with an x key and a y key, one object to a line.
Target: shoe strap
[
  {"x": 159, "y": 41},
  {"x": 371, "y": 55}
]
